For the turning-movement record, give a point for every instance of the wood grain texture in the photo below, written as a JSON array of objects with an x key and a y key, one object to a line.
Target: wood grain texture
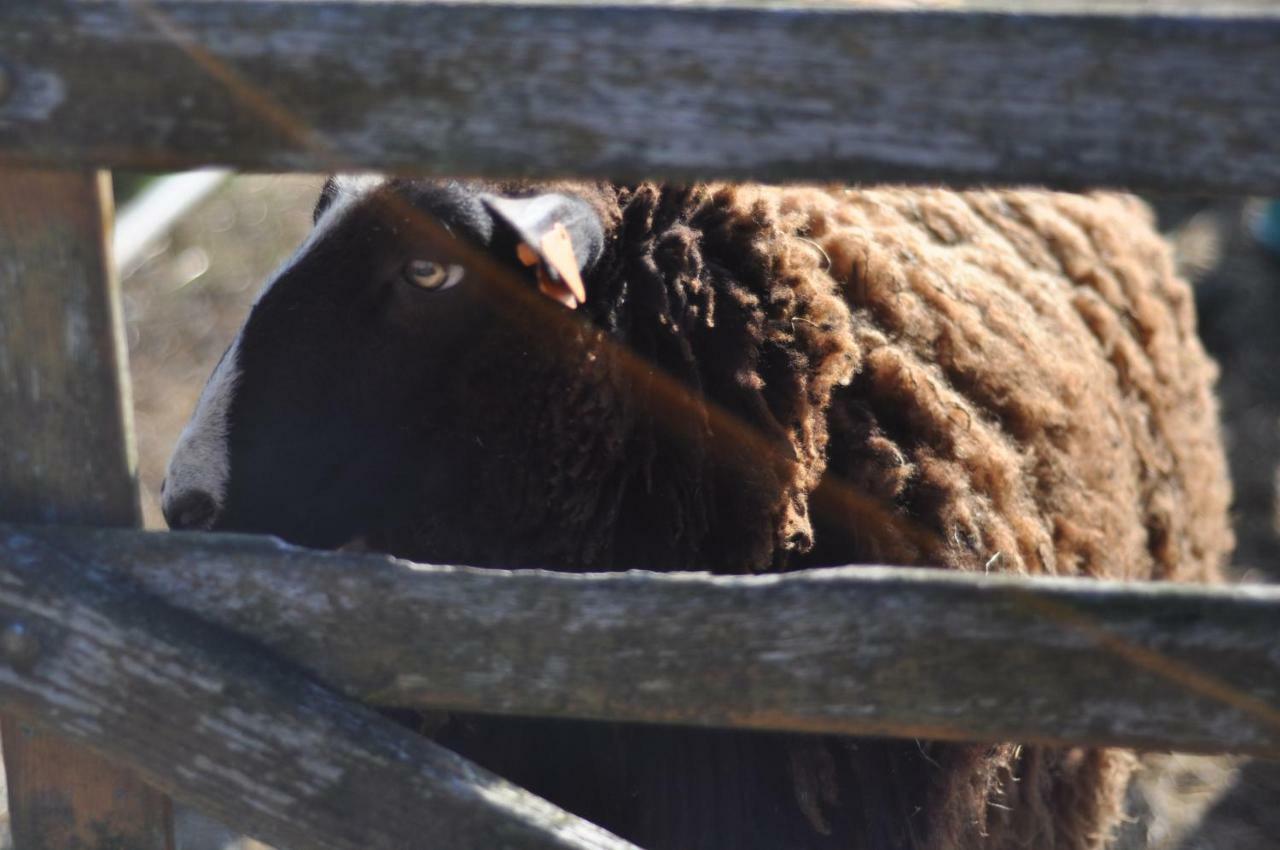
[
  {"x": 1081, "y": 95},
  {"x": 66, "y": 451},
  {"x": 226, "y": 727},
  {"x": 65, "y": 456},
  {"x": 859, "y": 650}
]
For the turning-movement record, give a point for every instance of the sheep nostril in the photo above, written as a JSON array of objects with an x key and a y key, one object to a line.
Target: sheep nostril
[{"x": 194, "y": 510}]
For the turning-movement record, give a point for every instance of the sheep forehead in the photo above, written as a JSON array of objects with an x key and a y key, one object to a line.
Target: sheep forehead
[{"x": 348, "y": 191}]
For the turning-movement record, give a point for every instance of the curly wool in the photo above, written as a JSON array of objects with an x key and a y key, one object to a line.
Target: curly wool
[
  {"x": 715, "y": 293},
  {"x": 1031, "y": 385},
  {"x": 1030, "y": 390},
  {"x": 1016, "y": 374},
  {"x": 777, "y": 378},
  {"x": 1027, "y": 385}
]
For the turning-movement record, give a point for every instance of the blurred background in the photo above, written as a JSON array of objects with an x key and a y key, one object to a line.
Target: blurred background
[{"x": 187, "y": 289}]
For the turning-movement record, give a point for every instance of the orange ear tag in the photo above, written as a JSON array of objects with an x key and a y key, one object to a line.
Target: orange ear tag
[{"x": 557, "y": 254}]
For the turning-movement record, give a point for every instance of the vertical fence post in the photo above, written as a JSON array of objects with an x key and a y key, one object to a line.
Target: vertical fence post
[{"x": 66, "y": 456}]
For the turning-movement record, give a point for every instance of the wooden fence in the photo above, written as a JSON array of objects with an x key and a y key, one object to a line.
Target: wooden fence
[{"x": 131, "y": 662}]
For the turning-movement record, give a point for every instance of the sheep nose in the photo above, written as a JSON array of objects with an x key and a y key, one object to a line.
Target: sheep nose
[{"x": 190, "y": 510}]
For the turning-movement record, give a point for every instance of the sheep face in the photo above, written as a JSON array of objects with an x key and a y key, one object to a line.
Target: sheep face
[{"x": 347, "y": 376}]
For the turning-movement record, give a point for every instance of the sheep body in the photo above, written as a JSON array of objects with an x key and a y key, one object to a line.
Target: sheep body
[
  {"x": 1031, "y": 382},
  {"x": 976, "y": 380},
  {"x": 770, "y": 378}
]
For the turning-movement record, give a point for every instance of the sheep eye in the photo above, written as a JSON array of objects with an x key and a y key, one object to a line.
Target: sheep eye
[{"x": 428, "y": 274}]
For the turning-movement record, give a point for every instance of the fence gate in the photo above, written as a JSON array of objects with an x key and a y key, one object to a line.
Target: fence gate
[{"x": 130, "y": 662}]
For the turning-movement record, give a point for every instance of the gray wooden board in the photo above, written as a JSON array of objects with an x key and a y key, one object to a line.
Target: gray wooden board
[
  {"x": 230, "y": 729},
  {"x": 66, "y": 452},
  {"x": 1080, "y": 96},
  {"x": 859, "y": 650},
  {"x": 66, "y": 455}
]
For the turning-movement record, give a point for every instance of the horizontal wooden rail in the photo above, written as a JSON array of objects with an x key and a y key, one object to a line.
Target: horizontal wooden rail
[
  {"x": 222, "y": 725},
  {"x": 1068, "y": 94},
  {"x": 857, "y": 650}
]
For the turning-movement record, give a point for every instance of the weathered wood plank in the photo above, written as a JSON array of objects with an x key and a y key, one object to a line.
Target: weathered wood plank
[
  {"x": 66, "y": 455},
  {"x": 223, "y": 725},
  {"x": 1080, "y": 96},
  {"x": 859, "y": 651},
  {"x": 66, "y": 452}
]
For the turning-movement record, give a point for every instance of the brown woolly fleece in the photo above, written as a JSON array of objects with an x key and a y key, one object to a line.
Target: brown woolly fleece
[
  {"x": 1030, "y": 389},
  {"x": 1026, "y": 387},
  {"x": 776, "y": 378}
]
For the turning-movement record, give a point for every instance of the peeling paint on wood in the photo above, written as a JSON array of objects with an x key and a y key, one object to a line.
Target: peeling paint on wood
[
  {"x": 857, "y": 650},
  {"x": 1076, "y": 94},
  {"x": 226, "y": 727},
  {"x": 65, "y": 456}
]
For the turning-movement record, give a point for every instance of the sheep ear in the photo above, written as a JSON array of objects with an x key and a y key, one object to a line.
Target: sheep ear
[{"x": 559, "y": 234}]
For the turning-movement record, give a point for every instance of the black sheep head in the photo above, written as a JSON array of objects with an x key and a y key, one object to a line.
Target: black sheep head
[{"x": 337, "y": 400}]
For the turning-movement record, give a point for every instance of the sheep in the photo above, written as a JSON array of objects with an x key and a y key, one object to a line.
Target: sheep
[{"x": 740, "y": 378}]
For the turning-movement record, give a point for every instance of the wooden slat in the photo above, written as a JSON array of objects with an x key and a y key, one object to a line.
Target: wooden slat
[
  {"x": 1082, "y": 95},
  {"x": 65, "y": 456},
  {"x": 226, "y": 727},
  {"x": 858, "y": 651}
]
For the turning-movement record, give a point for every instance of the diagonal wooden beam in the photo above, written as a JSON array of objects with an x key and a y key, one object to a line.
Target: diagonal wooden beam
[
  {"x": 225, "y": 726},
  {"x": 1159, "y": 95},
  {"x": 66, "y": 455},
  {"x": 856, "y": 651}
]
